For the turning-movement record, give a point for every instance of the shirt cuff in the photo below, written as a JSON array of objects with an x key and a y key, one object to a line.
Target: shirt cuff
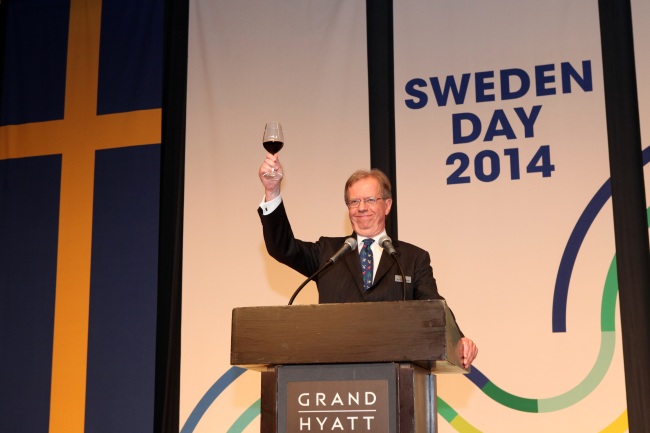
[{"x": 271, "y": 205}]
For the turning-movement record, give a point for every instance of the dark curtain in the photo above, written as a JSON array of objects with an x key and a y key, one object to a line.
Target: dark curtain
[
  {"x": 628, "y": 200},
  {"x": 168, "y": 355}
]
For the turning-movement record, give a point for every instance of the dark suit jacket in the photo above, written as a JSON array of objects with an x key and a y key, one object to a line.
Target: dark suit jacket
[{"x": 341, "y": 282}]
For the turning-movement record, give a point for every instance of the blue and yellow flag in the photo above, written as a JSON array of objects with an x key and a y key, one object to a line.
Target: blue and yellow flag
[{"x": 80, "y": 127}]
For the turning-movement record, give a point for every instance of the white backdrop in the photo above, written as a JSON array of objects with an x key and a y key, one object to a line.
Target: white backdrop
[
  {"x": 496, "y": 246},
  {"x": 498, "y": 233},
  {"x": 302, "y": 63}
]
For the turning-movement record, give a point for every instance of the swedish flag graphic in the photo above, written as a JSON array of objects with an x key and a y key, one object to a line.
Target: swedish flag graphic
[{"x": 80, "y": 125}]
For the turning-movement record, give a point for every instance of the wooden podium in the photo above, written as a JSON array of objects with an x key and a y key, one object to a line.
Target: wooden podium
[{"x": 362, "y": 367}]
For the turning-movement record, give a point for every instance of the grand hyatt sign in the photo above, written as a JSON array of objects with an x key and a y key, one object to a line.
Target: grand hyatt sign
[
  {"x": 355, "y": 406},
  {"x": 348, "y": 401}
]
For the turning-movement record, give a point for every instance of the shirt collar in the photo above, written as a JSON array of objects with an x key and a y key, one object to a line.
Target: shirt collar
[{"x": 360, "y": 239}]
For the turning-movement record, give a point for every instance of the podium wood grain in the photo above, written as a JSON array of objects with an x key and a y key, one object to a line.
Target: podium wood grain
[{"x": 420, "y": 332}]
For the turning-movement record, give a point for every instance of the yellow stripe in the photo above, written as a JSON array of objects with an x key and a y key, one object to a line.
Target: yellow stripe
[
  {"x": 619, "y": 425},
  {"x": 461, "y": 425},
  {"x": 68, "y": 393},
  {"x": 83, "y": 59}
]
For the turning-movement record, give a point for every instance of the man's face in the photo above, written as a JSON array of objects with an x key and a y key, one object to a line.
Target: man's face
[{"x": 368, "y": 220}]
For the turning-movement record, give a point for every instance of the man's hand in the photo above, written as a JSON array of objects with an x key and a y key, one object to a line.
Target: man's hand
[
  {"x": 271, "y": 186},
  {"x": 467, "y": 352}
]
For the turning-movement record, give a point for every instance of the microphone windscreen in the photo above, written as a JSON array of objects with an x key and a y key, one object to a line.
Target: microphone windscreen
[{"x": 383, "y": 240}]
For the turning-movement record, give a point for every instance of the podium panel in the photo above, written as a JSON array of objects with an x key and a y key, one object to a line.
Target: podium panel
[
  {"x": 343, "y": 397},
  {"x": 377, "y": 398}
]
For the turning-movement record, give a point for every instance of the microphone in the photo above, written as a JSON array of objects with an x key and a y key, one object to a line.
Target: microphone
[
  {"x": 387, "y": 244},
  {"x": 348, "y": 245}
]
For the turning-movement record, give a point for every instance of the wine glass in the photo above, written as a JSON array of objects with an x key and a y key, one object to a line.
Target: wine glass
[{"x": 273, "y": 141}]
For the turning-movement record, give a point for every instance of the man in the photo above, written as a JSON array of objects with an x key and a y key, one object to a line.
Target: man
[{"x": 368, "y": 197}]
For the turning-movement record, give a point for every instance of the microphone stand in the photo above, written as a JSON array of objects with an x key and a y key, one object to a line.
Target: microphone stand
[
  {"x": 349, "y": 244},
  {"x": 394, "y": 256},
  {"x": 386, "y": 243},
  {"x": 322, "y": 268}
]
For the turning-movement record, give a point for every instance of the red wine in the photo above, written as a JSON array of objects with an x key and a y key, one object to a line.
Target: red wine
[{"x": 273, "y": 147}]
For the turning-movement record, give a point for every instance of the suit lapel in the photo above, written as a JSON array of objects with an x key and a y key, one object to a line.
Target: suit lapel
[
  {"x": 385, "y": 264},
  {"x": 352, "y": 262}
]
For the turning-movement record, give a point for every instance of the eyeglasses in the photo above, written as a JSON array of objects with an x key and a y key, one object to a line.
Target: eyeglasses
[{"x": 369, "y": 201}]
